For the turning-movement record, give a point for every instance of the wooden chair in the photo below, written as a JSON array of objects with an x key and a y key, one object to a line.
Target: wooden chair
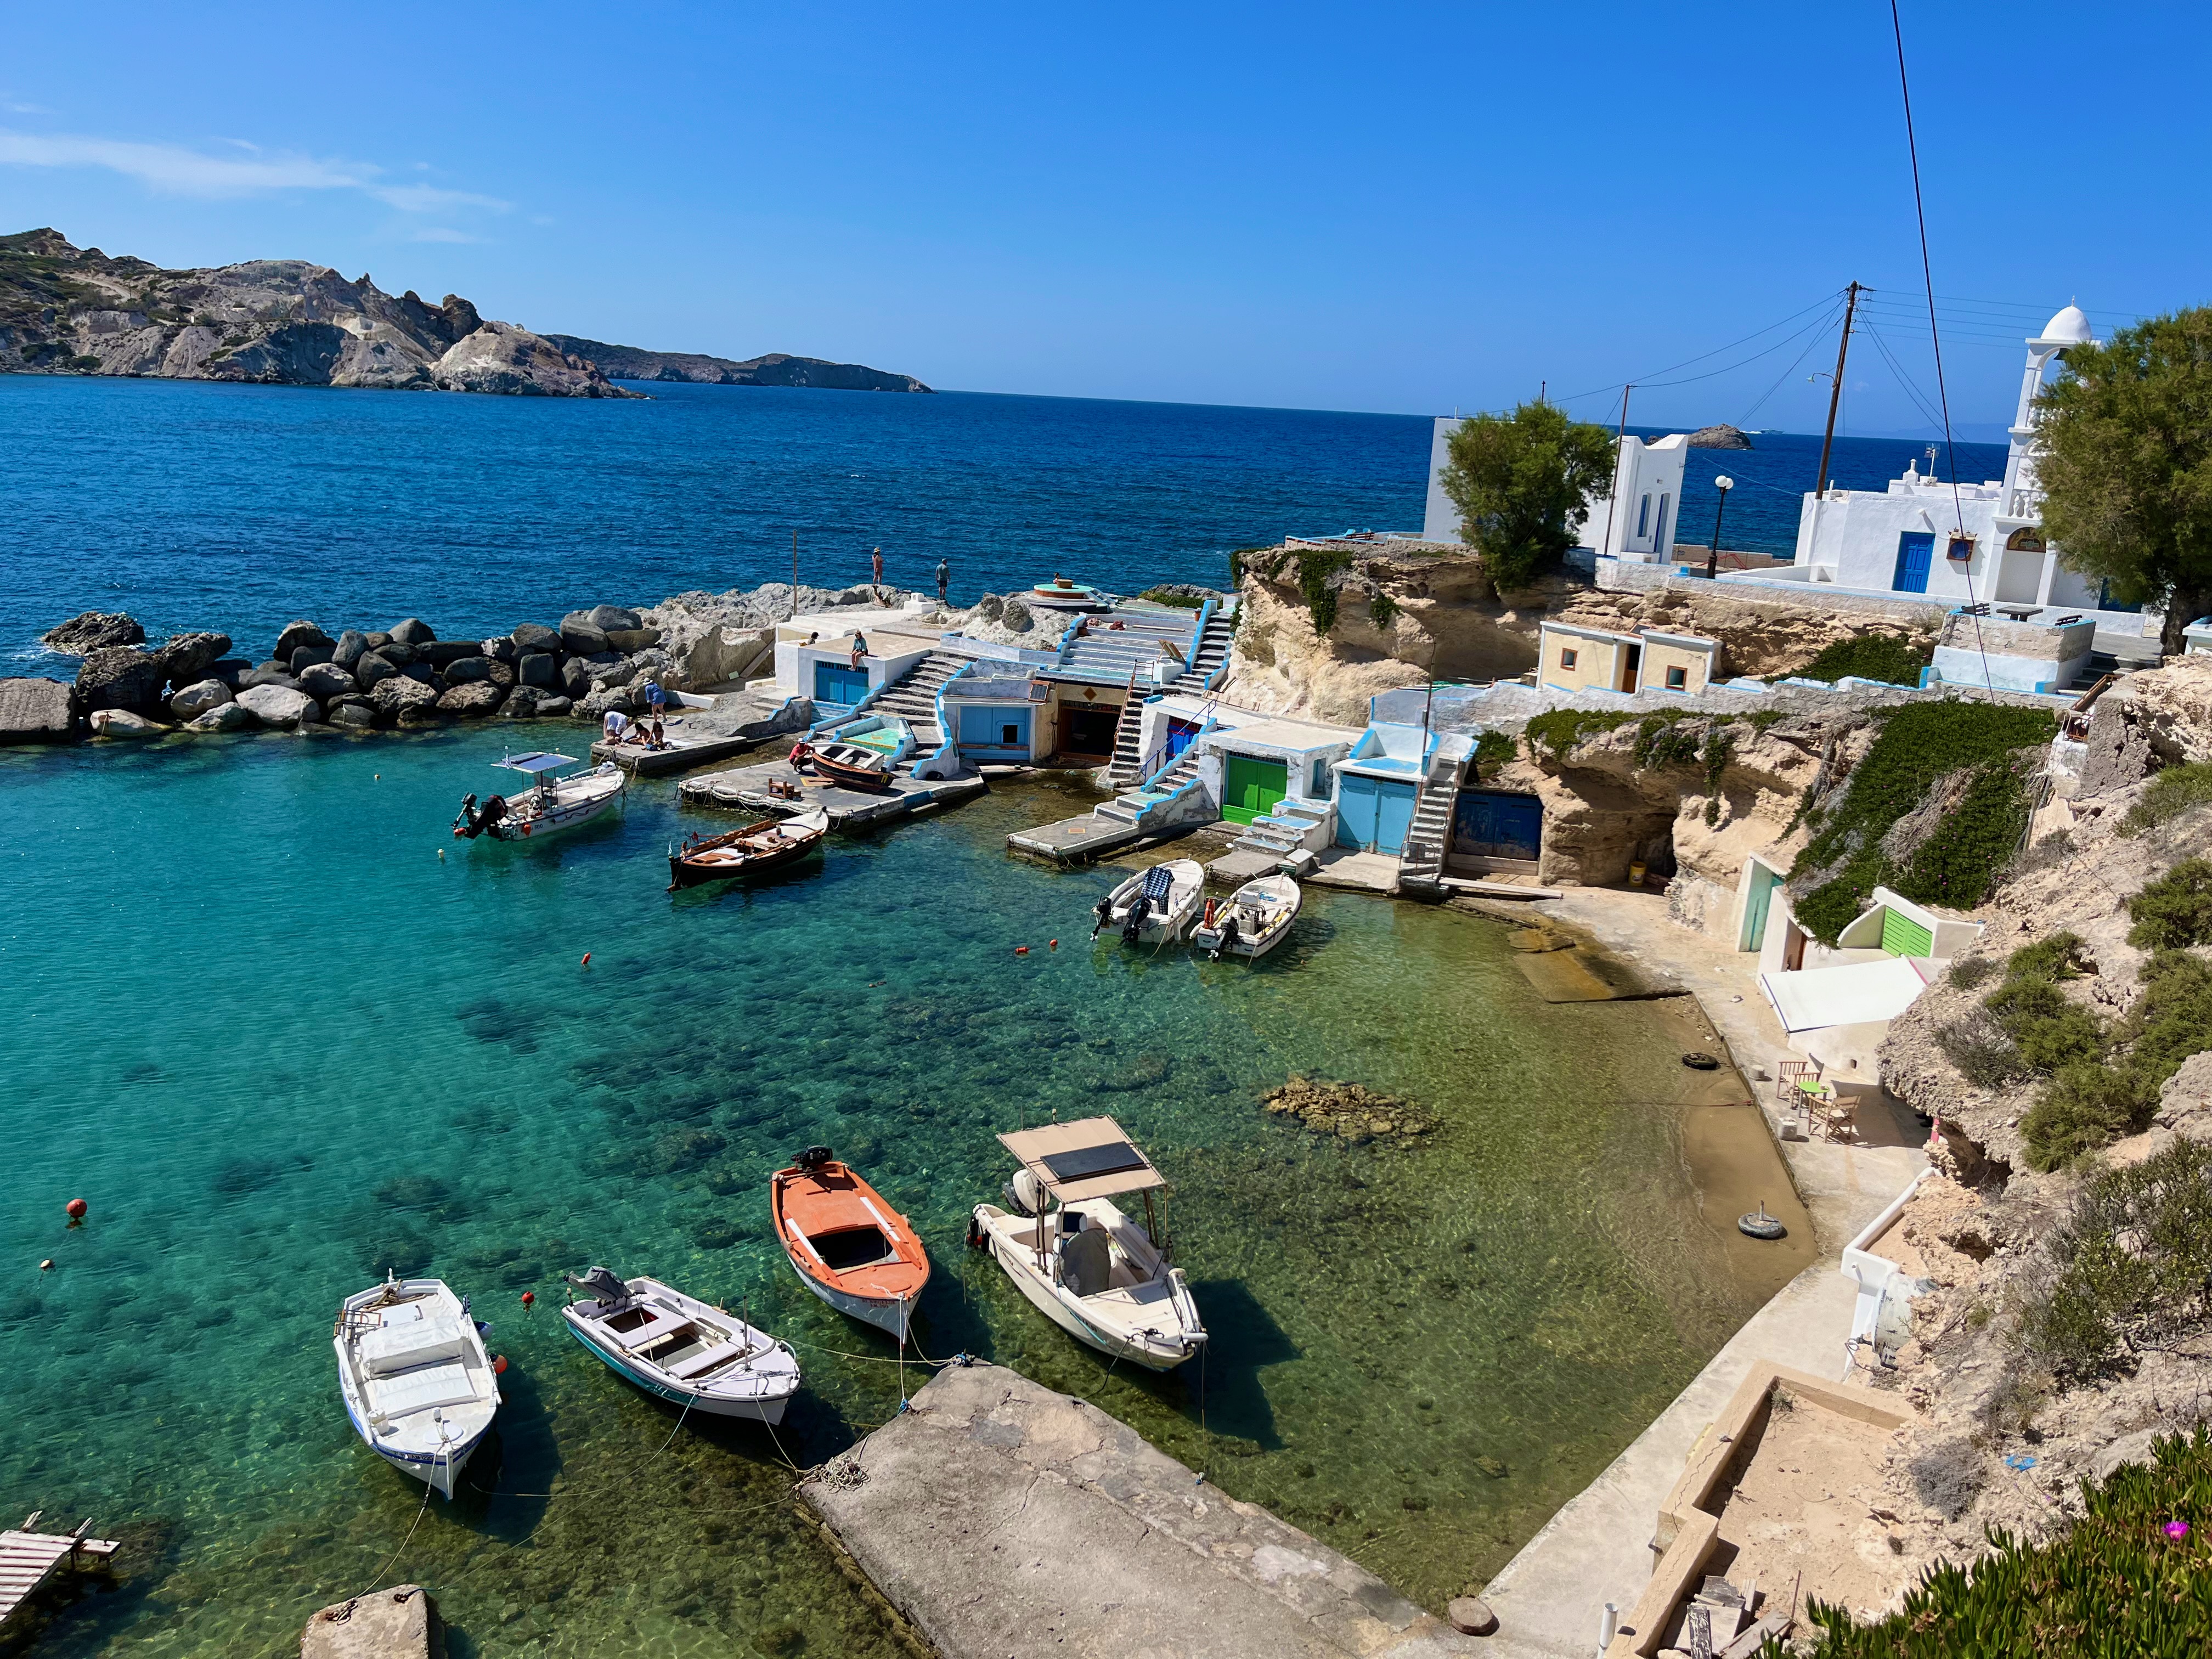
[{"x": 1837, "y": 1115}]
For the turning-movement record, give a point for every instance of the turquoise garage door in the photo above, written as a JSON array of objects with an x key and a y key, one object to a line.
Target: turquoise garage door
[{"x": 1373, "y": 814}]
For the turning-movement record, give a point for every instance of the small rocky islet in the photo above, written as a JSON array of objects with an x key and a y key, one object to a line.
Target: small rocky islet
[
  {"x": 402, "y": 676},
  {"x": 1348, "y": 1110}
]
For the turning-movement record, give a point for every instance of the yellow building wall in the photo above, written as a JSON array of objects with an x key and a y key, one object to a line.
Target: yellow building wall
[
  {"x": 1597, "y": 663},
  {"x": 1658, "y": 658}
]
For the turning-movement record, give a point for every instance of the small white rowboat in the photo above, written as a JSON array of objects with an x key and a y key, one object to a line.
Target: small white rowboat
[
  {"x": 1153, "y": 906},
  {"x": 682, "y": 1349}
]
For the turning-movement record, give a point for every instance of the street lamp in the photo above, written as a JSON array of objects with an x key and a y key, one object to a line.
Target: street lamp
[{"x": 1723, "y": 485}]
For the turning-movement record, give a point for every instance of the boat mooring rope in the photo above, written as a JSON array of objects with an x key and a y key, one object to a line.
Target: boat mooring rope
[{"x": 377, "y": 1583}]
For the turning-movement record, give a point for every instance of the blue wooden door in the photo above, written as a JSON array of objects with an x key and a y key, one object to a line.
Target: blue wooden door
[
  {"x": 1355, "y": 810},
  {"x": 1494, "y": 823},
  {"x": 833, "y": 683},
  {"x": 1179, "y": 733},
  {"x": 1915, "y": 551}
]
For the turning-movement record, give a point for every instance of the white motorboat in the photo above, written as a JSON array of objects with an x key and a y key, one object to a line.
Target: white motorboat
[
  {"x": 551, "y": 804},
  {"x": 1256, "y": 919},
  {"x": 682, "y": 1349},
  {"x": 1093, "y": 1271},
  {"x": 1154, "y": 905},
  {"x": 415, "y": 1377}
]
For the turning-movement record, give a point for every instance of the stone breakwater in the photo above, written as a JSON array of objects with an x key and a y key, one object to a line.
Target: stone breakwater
[{"x": 404, "y": 676}]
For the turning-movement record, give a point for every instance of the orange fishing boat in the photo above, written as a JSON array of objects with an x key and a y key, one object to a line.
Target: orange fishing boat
[{"x": 847, "y": 1243}]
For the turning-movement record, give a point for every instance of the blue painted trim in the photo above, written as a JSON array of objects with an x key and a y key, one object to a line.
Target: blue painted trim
[{"x": 951, "y": 744}]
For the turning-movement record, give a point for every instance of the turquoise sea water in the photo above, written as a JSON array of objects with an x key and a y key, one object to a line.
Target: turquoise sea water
[{"x": 278, "y": 1044}]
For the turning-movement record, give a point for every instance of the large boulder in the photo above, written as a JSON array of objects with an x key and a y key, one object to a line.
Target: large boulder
[
  {"x": 441, "y": 653},
  {"x": 608, "y": 617},
  {"x": 535, "y": 636},
  {"x": 354, "y": 716},
  {"x": 580, "y": 637},
  {"x": 37, "y": 711},
  {"x": 501, "y": 650},
  {"x": 307, "y": 656},
  {"x": 522, "y": 704},
  {"x": 324, "y": 681},
  {"x": 91, "y": 630},
  {"x": 372, "y": 667},
  {"x": 385, "y": 1624},
  {"x": 348, "y": 651},
  {"x": 632, "y": 639},
  {"x": 609, "y": 697},
  {"x": 462, "y": 670},
  {"x": 576, "y": 678},
  {"x": 270, "y": 673},
  {"x": 539, "y": 669},
  {"x": 549, "y": 705},
  {"x": 122, "y": 723},
  {"x": 231, "y": 670},
  {"x": 195, "y": 699},
  {"x": 284, "y": 708},
  {"x": 190, "y": 657},
  {"x": 122, "y": 677},
  {"x": 412, "y": 630},
  {"x": 397, "y": 652},
  {"x": 472, "y": 700},
  {"x": 296, "y": 634},
  {"x": 223, "y": 717},
  {"x": 399, "y": 696}
]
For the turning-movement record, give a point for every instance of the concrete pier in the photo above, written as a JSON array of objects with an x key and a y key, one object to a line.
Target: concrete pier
[
  {"x": 746, "y": 789},
  {"x": 1077, "y": 841},
  {"x": 999, "y": 1517},
  {"x": 735, "y": 723}
]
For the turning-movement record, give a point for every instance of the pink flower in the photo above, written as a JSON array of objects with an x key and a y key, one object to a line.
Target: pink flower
[{"x": 2176, "y": 1529}]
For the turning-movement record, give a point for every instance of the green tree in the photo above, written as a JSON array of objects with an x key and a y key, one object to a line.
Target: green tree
[
  {"x": 1522, "y": 483},
  {"x": 2127, "y": 464}
]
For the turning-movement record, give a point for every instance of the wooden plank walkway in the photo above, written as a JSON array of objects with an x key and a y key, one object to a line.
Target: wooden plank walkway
[{"x": 27, "y": 1558}]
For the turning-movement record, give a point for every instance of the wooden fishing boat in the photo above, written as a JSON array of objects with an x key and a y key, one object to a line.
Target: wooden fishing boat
[
  {"x": 850, "y": 767},
  {"x": 1093, "y": 1271},
  {"x": 549, "y": 804},
  {"x": 846, "y": 1242},
  {"x": 416, "y": 1382},
  {"x": 1153, "y": 906},
  {"x": 771, "y": 844},
  {"x": 682, "y": 1349},
  {"x": 1256, "y": 919}
]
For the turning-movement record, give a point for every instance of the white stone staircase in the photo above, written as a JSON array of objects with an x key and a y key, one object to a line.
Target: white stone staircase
[
  {"x": 1154, "y": 805},
  {"x": 1212, "y": 651},
  {"x": 913, "y": 698},
  {"x": 1293, "y": 832},
  {"x": 1422, "y": 863}
]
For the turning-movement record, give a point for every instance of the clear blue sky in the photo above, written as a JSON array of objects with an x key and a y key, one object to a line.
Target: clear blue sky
[{"x": 1383, "y": 207}]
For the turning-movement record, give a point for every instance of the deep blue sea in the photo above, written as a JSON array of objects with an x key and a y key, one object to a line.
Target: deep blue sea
[
  {"x": 241, "y": 508},
  {"x": 283, "y": 1032}
]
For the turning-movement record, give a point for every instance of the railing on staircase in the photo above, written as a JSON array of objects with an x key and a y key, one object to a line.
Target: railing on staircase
[
  {"x": 1205, "y": 724},
  {"x": 951, "y": 746}
]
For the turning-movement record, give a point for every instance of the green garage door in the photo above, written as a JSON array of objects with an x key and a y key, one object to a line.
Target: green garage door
[
  {"x": 1901, "y": 936},
  {"x": 1252, "y": 787}
]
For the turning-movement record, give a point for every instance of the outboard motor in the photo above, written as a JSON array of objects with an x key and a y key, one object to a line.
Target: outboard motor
[
  {"x": 812, "y": 1160},
  {"x": 1139, "y": 907},
  {"x": 1104, "y": 911},
  {"x": 472, "y": 822},
  {"x": 1228, "y": 938},
  {"x": 1024, "y": 1194}
]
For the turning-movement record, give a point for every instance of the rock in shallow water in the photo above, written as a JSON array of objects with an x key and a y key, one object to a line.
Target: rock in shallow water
[
  {"x": 223, "y": 717},
  {"x": 122, "y": 677},
  {"x": 190, "y": 657},
  {"x": 122, "y": 723},
  {"x": 355, "y": 716},
  {"x": 195, "y": 699},
  {"x": 1347, "y": 1110},
  {"x": 472, "y": 700},
  {"x": 393, "y": 1623},
  {"x": 90, "y": 630},
  {"x": 37, "y": 711},
  {"x": 325, "y": 680},
  {"x": 399, "y": 696}
]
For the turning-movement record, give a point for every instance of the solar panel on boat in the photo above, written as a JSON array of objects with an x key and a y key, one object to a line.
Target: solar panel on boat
[{"x": 1085, "y": 1163}]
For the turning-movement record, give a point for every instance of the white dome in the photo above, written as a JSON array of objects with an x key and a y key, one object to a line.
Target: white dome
[{"x": 2068, "y": 327}]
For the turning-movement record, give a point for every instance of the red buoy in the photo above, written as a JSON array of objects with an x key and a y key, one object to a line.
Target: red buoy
[
  {"x": 76, "y": 1211},
  {"x": 499, "y": 1365},
  {"x": 529, "y": 1297},
  {"x": 1055, "y": 945},
  {"x": 1021, "y": 950},
  {"x": 587, "y": 962}
]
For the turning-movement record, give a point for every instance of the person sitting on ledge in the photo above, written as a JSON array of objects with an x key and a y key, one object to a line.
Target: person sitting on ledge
[{"x": 859, "y": 649}]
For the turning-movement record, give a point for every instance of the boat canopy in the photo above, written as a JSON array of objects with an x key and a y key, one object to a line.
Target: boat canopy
[
  {"x": 539, "y": 761},
  {"x": 1092, "y": 1158}
]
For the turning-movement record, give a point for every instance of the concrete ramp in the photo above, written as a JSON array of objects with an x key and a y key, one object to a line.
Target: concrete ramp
[{"x": 998, "y": 1517}]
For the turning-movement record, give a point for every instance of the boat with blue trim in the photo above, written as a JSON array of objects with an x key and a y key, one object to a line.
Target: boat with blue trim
[{"x": 679, "y": 1348}]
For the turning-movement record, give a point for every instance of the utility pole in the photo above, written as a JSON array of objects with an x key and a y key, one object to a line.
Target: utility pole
[
  {"x": 1836, "y": 388},
  {"x": 794, "y": 575},
  {"x": 1619, "y": 439}
]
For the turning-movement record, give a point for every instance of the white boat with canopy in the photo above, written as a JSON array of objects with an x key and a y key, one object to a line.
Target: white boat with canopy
[
  {"x": 415, "y": 1377},
  {"x": 1256, "y": 919},
  {"x": 682, "y": 1349},
  {"x": 1154, "y": 905},
  {"x": 550, "y": 803},
  {"x": 1092, "y": 1270}
]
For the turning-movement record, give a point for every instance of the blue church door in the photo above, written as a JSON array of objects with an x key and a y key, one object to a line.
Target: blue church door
[{"x": 1916, "y": 551}]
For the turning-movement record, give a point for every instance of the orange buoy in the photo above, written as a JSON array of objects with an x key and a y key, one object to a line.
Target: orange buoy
[
  {"x": 1055, "y": 945},
  {"x": 529, "y": 1298},
  {"x": 587, "y": 962},
  {"x": 76, "y": 1211},
  {"x": 1021, "y": 950},
  {"x": 499, "y": 1365}
]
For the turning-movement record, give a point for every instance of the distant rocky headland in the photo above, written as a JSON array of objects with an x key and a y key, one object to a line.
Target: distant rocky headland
[
  {"x": 1719, "y": 437},
  {"x": 67, "y": 310}
]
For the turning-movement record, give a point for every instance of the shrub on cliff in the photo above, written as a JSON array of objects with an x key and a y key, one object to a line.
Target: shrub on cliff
[
  {"x": 2131, "y": 1575},
  {"x": 1919, "y": 746},
  {"x": 1883, "y": 657},
  {"x": 2175, "y": 911},
  {"x": 1522, "y": 483},
  {"x": 2171, "y": 793}
]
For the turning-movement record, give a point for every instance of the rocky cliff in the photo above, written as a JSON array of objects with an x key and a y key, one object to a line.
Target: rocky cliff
[
  {"x": 776, "y": 368},
  {"x": 67, "y": 310}
]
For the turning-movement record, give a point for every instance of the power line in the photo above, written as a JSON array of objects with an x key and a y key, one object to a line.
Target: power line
[{"x": 1827, "y": 301}]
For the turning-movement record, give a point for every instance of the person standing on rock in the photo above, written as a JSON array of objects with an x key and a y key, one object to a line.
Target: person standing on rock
[
  {"x": 944, "y": 579},
  {"x": 876, "y": 561}
]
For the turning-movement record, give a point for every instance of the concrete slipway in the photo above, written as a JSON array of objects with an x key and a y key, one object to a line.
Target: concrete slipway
[{"x": 1001, "y": 1519}]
